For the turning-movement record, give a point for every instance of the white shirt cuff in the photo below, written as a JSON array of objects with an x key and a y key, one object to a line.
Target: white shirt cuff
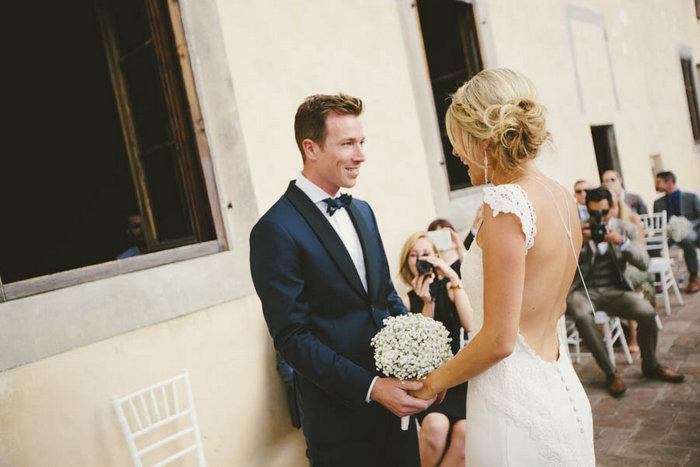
[
  {"x": 369, "y": 391},
  {"x": 625, "y": 244}
]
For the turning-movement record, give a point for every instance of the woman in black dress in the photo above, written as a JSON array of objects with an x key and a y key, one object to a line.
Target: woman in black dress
[{"x": 436, "y": 292}]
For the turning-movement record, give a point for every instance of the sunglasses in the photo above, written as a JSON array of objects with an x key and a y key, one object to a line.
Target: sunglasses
[
  {"x": 581, "y": 190},
  {"x": 603, "y": 212}
]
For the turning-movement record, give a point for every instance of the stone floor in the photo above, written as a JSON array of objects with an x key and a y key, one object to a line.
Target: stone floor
[{"x": 653, "y": 423}]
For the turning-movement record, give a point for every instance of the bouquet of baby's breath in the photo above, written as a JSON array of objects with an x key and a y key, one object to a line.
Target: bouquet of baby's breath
[
  {"x": 678, "y": 228},
  {"x": 409, "y": 347}
]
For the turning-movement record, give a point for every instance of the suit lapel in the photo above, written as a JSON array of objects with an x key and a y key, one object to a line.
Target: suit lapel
[
  {"x": 369, "y": 248},
  {"x": 326, "y": 235}
]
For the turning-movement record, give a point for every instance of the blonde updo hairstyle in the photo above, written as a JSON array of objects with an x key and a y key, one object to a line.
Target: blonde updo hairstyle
[{"x": 497, "y": 105}]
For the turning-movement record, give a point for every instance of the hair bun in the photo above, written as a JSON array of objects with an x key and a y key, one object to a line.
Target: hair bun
[
  {"x": 498, "y": 105},
  {"x": 517, "y": 130}
]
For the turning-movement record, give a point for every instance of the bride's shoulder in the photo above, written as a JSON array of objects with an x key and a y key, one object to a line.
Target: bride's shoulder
[{"x": 512, "y": 199}]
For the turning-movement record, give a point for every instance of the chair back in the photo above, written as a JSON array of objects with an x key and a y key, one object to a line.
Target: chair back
[
  {"x": 655, "y": 232},
  {"x": 159, "y": 422}
]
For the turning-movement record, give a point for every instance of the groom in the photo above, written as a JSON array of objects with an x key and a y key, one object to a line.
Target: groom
[{"x": 319, "y": 268}]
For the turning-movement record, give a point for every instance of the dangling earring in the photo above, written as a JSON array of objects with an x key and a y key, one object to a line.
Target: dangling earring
[{"x": 486, "y": 168}]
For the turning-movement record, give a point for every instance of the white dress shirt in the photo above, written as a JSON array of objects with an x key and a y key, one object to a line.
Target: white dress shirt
[
  {"x": 342, "y": 224},
  {"x": 582, "y": 212}
]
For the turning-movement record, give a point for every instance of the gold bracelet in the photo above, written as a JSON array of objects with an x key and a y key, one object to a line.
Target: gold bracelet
[{"x": 455, "y": 287}]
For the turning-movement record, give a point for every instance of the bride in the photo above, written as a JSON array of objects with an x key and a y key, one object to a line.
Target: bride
[{"x": 525, "y": 404}]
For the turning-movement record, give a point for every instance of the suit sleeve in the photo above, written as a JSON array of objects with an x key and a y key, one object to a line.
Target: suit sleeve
[
  {"x": 394, "y": 302},
  {"x": 695, "y": 215},
  {"x": 635, "y": 253},
  {"x": 275, "y": 265}
]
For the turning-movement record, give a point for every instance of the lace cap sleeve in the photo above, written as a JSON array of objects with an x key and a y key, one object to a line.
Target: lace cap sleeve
[{"x": 512, "y": 199}]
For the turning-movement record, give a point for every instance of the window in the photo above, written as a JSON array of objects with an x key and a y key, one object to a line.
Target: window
[
  {"x": 108, "y": 152},
  {"x": 605, "y": 148},
  {"x": 691, "y": 94},
  {"x": 452, "y": 50}
]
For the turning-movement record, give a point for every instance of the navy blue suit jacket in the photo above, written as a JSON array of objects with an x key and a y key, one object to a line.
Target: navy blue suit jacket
[{"x": 318, "y": 313}]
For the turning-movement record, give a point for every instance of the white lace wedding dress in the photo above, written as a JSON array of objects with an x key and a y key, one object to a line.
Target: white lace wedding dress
[{"x": 523, "y": 411}]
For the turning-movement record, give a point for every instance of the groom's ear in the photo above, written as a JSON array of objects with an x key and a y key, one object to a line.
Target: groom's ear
[{"x": 309, "y": 149}]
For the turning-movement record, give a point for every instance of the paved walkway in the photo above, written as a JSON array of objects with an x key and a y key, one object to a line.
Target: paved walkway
[{"x": 654, "y": 423}]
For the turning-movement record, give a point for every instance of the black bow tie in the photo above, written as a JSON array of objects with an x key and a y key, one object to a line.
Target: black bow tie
[{"x": 342, "y": 201}]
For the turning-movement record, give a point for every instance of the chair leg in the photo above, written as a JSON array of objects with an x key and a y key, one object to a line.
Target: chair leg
[
  {"x": 664, "y": 290},
  {"x": 623, "y": 341},
  {"x": 658, "y": 322},
  {"x": 676, "y": 291}
]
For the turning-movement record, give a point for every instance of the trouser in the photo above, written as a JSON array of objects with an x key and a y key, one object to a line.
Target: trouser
[
  {"x": 383, "y": 445},
  {"x": 615, "y": 302},
  {"x": 689, "y": 245}
]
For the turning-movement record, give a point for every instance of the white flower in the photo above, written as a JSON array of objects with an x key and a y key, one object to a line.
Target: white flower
[
  {"x": 411, "y": 346},
  {"x": 678, "y": 228}
]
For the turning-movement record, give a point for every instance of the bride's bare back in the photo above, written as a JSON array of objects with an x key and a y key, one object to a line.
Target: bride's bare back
[{"x": 550, "y": 264}]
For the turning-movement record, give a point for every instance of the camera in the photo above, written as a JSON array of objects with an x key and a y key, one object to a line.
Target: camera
[
  {"x": 424, "y": 267},
  {"x": 599, "y": 227}
]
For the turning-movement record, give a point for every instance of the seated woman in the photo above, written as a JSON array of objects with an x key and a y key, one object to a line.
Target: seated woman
[{"x": 437, "y": 293}]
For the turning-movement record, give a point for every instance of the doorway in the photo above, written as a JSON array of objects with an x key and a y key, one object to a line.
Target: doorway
[{"x": 605, "y": 148}]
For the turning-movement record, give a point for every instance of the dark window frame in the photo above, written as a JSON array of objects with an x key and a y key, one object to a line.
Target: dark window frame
[
  {"x": 691, "y": 94},
  {"x": 188, "y": 114},
  {"x": 471, "y": 62}
]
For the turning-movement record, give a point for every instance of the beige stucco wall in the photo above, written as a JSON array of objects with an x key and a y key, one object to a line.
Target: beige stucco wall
[
  {"x": 643, "y": 69},
  {"x": 56, "y": 411}
]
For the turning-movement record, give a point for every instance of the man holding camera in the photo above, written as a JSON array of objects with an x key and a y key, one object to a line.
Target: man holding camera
[{"x": 609, "y": 244}]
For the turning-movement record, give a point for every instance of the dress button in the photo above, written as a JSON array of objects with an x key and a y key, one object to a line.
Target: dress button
[{"x": 581, "y": 430}]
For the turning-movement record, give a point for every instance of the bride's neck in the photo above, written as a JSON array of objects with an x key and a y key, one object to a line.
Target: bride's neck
[{"x": 526, "y": 170}]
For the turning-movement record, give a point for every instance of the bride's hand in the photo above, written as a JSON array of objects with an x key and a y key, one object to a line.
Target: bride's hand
[{"x": 427, "y": 392}]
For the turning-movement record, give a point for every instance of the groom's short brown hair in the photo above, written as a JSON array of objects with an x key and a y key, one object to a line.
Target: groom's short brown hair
[{"x": 310, "y": 119}]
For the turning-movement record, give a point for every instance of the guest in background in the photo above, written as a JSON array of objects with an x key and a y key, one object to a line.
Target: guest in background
[
  {"x": 642, "y": 281},
  {"x": 454, "y": 254},
  {"x": 134, "y": 230},
  {"x": 478, "y": 219},
  {"x": 686, "y": 204},
  {"x": 635, "y": 202},
  {"x": 581, "y": 187},
  {"x": 436, "y": 292},
  {"x": 621, "y": 210}
]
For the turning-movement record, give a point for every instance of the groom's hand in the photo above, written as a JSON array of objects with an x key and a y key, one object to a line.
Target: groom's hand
[{"x": 392, "y": 394}]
